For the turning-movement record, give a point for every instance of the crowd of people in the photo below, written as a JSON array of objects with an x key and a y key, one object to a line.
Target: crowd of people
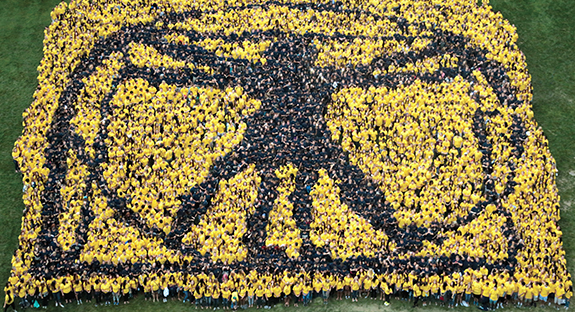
[
  {"x": 234, "y": 290},
  {"x": 274, "y": 152}
]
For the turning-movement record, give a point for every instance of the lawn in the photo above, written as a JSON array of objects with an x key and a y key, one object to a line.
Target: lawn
[{"x": 546, "y": 35}]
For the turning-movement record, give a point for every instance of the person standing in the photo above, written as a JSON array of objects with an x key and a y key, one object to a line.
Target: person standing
[
  {"x": 55, "y": 289},
  {"x": 9, "y": 299},
  {"x": 235, "y": 300},
  {"x": 416, "y": 293}
]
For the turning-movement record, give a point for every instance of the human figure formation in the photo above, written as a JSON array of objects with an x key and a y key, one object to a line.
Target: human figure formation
[{"x": 275, "y": 153}]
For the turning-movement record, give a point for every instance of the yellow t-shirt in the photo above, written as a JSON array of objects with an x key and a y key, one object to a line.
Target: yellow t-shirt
[
  {"x": 78, "y": 286},
  {"x": 545, "y": 291},
  {"x": 416, "y": 290},
  {"x": 485, "y": 291},
  {"x": 260, "y": 292},
  {"x": 226, "y": 294},
  {"x": 277, "y": 290},
  {"x": 355, "y": 285},
  {"x": 106, "y": 287},
  {"x": 297, "y": 289},
  {"x": 494, "y": 295},
  {"x": 155, "y": 284},
  {"x": 67, "y": 287},
  {"x": 116, "y": 287},
  {"x": 9, "y": 299},
  {"x": 528, "y": 293}
]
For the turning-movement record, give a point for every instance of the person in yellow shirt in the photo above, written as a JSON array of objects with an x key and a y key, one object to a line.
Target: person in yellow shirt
[
  {"x": 242, "y": 293},
  {"x": 185, "y": 288},
  {"x": 485, "y": 292},
  {"x": 287, "y": 294},
  {"x": 386, "y": 291},
  {"x": 307, "y": 293},
  {"x": 568, "y": 295},
  {"x": 451, "y": 294},
  {"x": 56, "y": 290},
  {"x": 145, "y": 284},
  {"x": 339, "y": 288},
  {"x": 468, "y": 293},
  {"x": 536, "y": 291},
  {"x": 216, "y": 294},
  {"x": 235, "y": 299},
  {"x": 435, "y": 288},
  {"x": 529, "y": 294},
  {"x": 493, "y": 297},
  {"x": 276, "y": 293},
  {"x": 208, "y": 292},
  {"x": 155, "y": 288},
  {"x": 78, "y": 290},
  {"x": 369, "y": 286},
  {"x": 9, "y": 298},
  {"x": 116, "y": 292},
  {"x": 297, "y": 292},
  {"x": 106, "y": 289},
  {"x": 226, "y": 294},
  {"x": 199, "y": 294},
  {"x": 251, "y": 295},
  {"x": 544, "y": 292},
  {"x": 521, "y": 290},
  {"x": 22, "y": 294},
  {"x": 97, "y": 284},
  {"x": 347, "y": 286},
  {"x": 416, "y": 292},
  {"x": 559, "y": 295},
  {"x": 259, "y": 292},
  {"x": 44, "y": 294},
  {"x": 127, "y": 289},
  {"x": 355, "y": 285},
  {"x": 268, "y": 296},
  {"x": 325, "y": 289},
  {"x": 67, "y": 288}
]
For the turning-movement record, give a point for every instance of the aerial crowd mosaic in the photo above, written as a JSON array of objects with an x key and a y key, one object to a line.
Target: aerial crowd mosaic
[{"x": 286, "y": 144}]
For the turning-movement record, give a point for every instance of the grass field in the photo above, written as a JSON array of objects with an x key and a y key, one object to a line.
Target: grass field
[{"x": 546, "y": 35}]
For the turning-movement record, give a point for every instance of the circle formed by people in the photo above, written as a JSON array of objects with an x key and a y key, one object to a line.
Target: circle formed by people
[{"x": 273, "y": 148}]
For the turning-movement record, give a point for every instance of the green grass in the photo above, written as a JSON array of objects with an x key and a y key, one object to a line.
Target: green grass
[
  {"x": 546, "y": 31},
  {"x": 546, "y": 35},
  {"x": 22, "y": 26}
]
